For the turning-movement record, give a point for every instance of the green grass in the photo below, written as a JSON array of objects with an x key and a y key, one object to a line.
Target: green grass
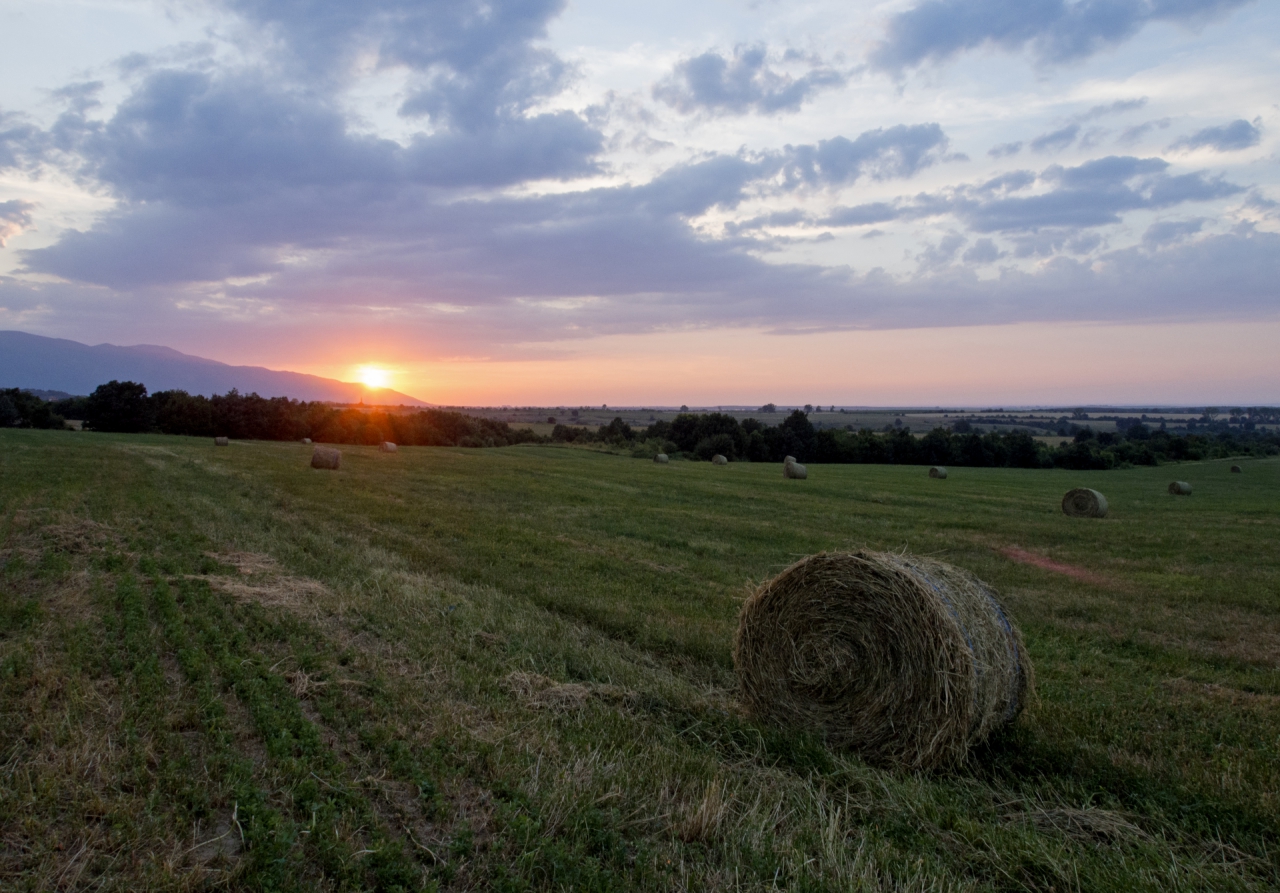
[{"x": 510, "y": 669}]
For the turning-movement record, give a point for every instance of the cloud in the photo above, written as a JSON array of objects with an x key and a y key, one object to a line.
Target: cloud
[
  {"x": 1004, "y": 150},
  {"x": 1138, "y": 131},
  {"x": 1237, "y": 135},
  {"x": 935, "y": 257},
  {"x": 881, "y": 154},
  {"x": 15, "y": 216},
  {"x": 984, "y": 251},
  {"x": 1168, "y": 232},
  {"x": 1058, "y": 139},
  {"x": 1056, "y": 31},
  {"x": 712, "y": 84},
  {"x": 1119, "y": 107}
]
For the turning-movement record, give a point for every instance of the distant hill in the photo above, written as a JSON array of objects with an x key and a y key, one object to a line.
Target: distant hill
[{"x": 37, "y": 364}]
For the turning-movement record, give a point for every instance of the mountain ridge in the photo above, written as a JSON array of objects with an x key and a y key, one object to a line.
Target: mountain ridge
[{"x": 36, "y": 362}]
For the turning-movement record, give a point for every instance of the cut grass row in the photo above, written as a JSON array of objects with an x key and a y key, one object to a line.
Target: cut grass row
[{"x": 509, "y": 669}]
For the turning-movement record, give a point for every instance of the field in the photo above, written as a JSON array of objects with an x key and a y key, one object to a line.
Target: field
[{"x": 510, "y": 669}]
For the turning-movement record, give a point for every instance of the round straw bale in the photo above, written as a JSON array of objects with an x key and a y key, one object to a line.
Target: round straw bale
[
  {"x": 661, "y": 459},
  {"x": 906, "y": 660},
  {"x": 793, "y": 469},
  {"x": 1236, "y": 469},
  {"x": 222, "y": 441},
  {"x": 1084, "y": 503},
  {"x": 306, "y": 440},
  {"x": 1180, "y": 488},
  {"x": 387, "y": 447},
  {"x": 938, "y": 471},
  {"x": 718, "y": 459},
  {"x": 326, "y": 457}
]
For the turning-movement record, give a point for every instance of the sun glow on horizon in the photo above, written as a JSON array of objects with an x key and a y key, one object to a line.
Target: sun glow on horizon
[{"x": 373, "y": 376}]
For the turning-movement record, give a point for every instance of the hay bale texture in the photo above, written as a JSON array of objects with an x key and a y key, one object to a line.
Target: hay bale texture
[
  {"x": 661, "y": 459},
  {"x": 718, "y": 459},
  {"x": 938, "y": 471},
  {"x": 222, "y": 441},
  {"x": 1236, "y": 469},
  {"x": 326, "y": 457},
  {"x": 906, "y": 660},
  {"x": 1084, "y": 503},
  {"x": 387, "y": 447},
  {"x": 1180, "y": 488},
  {"x": 793, "y": 469}
]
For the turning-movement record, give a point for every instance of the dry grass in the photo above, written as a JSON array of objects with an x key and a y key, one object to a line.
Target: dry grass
[{"x": 908, "y": 661}]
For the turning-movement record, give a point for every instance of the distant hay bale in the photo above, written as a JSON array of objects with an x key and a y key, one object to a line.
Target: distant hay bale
[
  {"x": 222, "y": 441},
  {"x": 718, "y": 459},
  {"x": 906, "y": 660},
  {"x": 938, "y": 471},
  {"x": 1236, "y": 469},
  {"x": 661, "y": 459},
  {"x": 306, "y": 440},
  {"x": 1180, "y": 488},
  {"x": 793, "y": 469},
  {"x": 387, "y": 447},
  {"x": 326, "y": 457},
  {"x": 1084, "y": 503}
]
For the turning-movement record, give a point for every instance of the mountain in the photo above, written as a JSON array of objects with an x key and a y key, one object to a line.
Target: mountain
[{"x": 37, "y": 363}]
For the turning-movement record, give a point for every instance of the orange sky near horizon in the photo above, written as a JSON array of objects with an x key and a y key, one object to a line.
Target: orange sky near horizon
[{"x": 1234, "y": 363}]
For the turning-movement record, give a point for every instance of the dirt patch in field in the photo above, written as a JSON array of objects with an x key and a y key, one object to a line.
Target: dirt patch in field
[{"x": 1022, "y": 556}]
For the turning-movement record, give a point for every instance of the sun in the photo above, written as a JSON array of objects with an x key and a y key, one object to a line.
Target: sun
[{"x": 373, "y": 376}]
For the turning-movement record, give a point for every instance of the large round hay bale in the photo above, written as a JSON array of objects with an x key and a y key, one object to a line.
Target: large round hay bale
[
  {"x": 326, "y": 457},
  {"x": 906, "y": 660},
  {"x": 1236, "y": 469},
  {"x": 793, "y": 469},
  {"x": 222, "y": 441},
  {"x": 306, "y": 440},
  {"x": 387, "y": 447},
  {"x": 718, "y": 459},
  {"x": 1180, "y": 488},
  {"x": 1084, "y": 503},
  {"x": 938, "y": 471},
  {"x": 661, "y": 459}
]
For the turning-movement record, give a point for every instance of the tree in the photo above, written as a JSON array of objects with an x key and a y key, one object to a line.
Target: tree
[{"x": 119, "y": 406}]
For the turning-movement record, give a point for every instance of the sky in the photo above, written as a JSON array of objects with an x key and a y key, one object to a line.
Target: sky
[{"x": 550, "y": 202}]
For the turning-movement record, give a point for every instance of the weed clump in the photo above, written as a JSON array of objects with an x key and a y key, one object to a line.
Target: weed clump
[{"x": 906, "y": 660}]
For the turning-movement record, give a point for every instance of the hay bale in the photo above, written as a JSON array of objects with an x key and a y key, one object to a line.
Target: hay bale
[
  {"x": 326, "y": 457},
  {"x": 387, "y": 447},
  {"x": 906, "y": 660},
  {"x": 1180, "y": 488},
  {"x": 1236, "y": 469},
  {"x": 222, "y": 441},
  {"x": 793, "y": 469},
  {"x": 938, "y": 471},
  {"x": 661, "y": 459},
  {"x": 306, "y": 440},
  {"x": 1084, "y": 503},
  {"x": 718, "y": 459}
]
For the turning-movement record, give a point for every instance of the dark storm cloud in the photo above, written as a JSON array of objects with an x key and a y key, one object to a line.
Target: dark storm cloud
[
  {"x": 1237, "y": 135},
  {"x": 741, "y": 84},
  {"x": 1055, "y": 30}
]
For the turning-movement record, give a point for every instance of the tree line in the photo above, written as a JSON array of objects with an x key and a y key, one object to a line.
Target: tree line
[
  {"x": 127, "y": 407},
  {"x": 701, "y": 436}
]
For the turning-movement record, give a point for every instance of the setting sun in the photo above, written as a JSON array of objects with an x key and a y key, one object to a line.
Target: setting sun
[{"x": 373, "y": 376}]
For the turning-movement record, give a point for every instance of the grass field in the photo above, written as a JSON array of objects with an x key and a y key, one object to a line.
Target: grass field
[{"x": 510, "y": 669}]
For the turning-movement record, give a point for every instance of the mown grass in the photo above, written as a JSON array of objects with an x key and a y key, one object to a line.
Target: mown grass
[{"x": 510, "y": 669}]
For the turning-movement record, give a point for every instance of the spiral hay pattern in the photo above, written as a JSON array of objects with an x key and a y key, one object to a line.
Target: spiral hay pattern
[
  {"x": 1084, "y": 503},
  {"x": 906, "y": 660}
]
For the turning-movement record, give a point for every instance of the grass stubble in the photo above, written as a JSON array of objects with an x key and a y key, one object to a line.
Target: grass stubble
[{"x": 510, "y": 669}]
